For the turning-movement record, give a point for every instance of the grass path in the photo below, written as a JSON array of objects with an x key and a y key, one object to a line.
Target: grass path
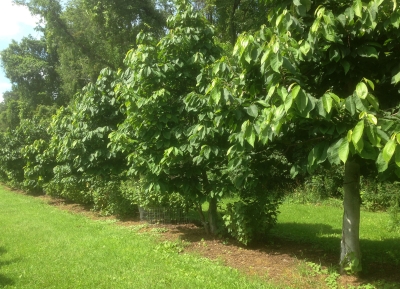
[{"x": 44, "y": 247}]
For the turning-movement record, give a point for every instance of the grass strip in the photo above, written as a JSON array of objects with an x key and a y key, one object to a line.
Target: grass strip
[{"x": 44, "y": 247}]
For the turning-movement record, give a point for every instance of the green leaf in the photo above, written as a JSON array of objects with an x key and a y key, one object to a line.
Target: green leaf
[
  {"x": 350, "y": 105},
  {"x": 252, "y": 110},
  {"x": 288, "y": 102},
  {"x": 362, "y": 90},
  {"x": 395, "y": 19},
  {"x": 388, "y": 150},
  {"x": 397, "y": 157},
  {"x": 349, "y": 135},
  {"x": 276, "y": 62},
  {"x": 334, "y": 54},
  {"x": 372, "y": 119},
  {"x": 250, "y": 135},
  {"x": 372, "y": 135},
  {"x": 216, "y": 95},
  {"x": 321, "y": 109},
  {"x": 396, "y": 78},
  {"x": 334, "y": 97},
  {"x": 357, "y": 132},
  {"x": 359, "y": 146},
  {"x": 305, "y": 48},
  {"x": 368, "y": 152},
  {"x": 295, "y": 91},
  {"x": 367, "y": 51},
  {"x": 166, "y": 134},
  {"x": 370, "y": 83},
  {"x": 327, "y": 102},
  {"x": 342, "y": 19},
  {"x": 317, "y": 156},
  {"x": 206, "y": 151},
  {"x": 301, "y": 101},
  {"x": 381, "y": 163},
  {"x": 346, "y": 66},
  {"x": 343, "y": 150},
  {"x": 332, "y": 152},
  {"x": 373, "y": 101},
  {"x": 357, "y": 6}
]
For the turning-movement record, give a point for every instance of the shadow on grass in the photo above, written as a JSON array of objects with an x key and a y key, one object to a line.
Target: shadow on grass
[
  {"x": 4, "y": 281},
  {"x": 321, "y": 244}
]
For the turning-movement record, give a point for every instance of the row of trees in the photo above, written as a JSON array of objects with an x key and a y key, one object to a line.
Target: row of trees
[{"x": 190, "y": 115}]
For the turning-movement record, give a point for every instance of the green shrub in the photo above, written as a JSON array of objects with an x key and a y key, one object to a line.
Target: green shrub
[
  {"x": 109, "y": 199},
  {"x": 249, "y": 220},
  {"x": 378, "y": 195}
]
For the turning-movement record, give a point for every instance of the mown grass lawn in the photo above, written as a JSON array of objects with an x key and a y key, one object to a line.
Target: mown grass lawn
[
  {"x": 44, "y": 247},
  {"x": 322, "y": 225}
]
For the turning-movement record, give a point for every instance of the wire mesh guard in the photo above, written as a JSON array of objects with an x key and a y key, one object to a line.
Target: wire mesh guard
[{"x": 163, "y": 215}]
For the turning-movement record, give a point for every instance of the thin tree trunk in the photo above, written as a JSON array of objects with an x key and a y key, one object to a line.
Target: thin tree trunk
[
  {"x": 203, "y": 219},
  {"x": 212, "y": 215},
  {"x": 350, "y": 256},
  {"x": 232, "y": 24},
  {"x": 212, "y": 206}
]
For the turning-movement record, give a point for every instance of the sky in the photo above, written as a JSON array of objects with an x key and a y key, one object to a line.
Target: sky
[{"x": 15, "y": 23}]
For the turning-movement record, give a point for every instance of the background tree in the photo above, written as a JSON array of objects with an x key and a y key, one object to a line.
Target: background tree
[
  {"x": 31, "y": 70},
  {"x": 233, "y": 17},
  {"x": 91, "y": 35}
]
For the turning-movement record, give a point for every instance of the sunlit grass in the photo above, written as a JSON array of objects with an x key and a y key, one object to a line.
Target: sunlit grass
[
  {"x": 321, "y": 225},
  {"x": 44, "y": 247}
]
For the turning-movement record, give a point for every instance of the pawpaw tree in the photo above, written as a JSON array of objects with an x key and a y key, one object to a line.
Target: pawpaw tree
[
  {"x": 159, "y": 121},
  {"x": 82, "y": 168},
  {"x": 321, "y": 79}
]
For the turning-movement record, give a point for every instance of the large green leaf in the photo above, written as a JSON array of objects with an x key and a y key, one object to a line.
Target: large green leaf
[
  {"x": 252, "y": 110},
  {"x": 367, "y": 51},
  {"x": 372, "y": 135},
  {"x": 357, "y": 6},
  {"x": 333, "y": 155},
  {"x": 343, "y": 150},
  {"x": 357, "y": 132},
  {"x": 321, "y": 109},
  {"x": 301, "y": 101},
  {"x": 373, "y": 101},
  {"x": 288, "y": 102},
  {"x": 317, "y": 156},
  {"x": 368, "y": 152},
  {"x": 327, "y": 101},
  {"x": 381, "y": 163},
  {"x": 276, "y": 62},
  {"x": 388, "y": 150},
  {"x": 350, "y": 105},
  {"x": 362, "y": 90},
  {"x": 249, "y": 133},
  {"x": 206, "y": 151}
]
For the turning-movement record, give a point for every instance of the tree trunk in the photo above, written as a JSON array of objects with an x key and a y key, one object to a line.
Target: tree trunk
[
  {"x": 212, "y": 215},
  {"x": 232, "y": 24},
  {"x": 203, "y": 219},
  {"x": 211, "y": 226},
  {"x": 350, "y": 256}
]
